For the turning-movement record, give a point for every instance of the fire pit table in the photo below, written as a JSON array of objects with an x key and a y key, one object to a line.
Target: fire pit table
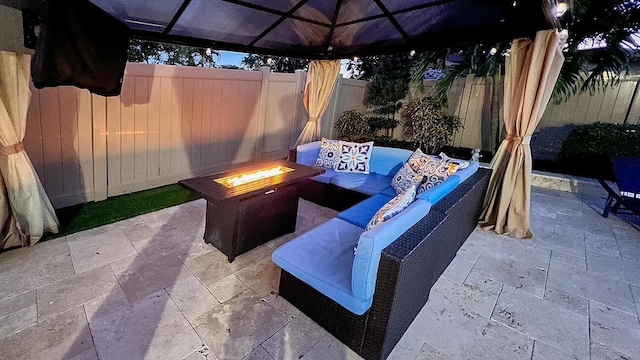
[{"x": 249, "y": 206}]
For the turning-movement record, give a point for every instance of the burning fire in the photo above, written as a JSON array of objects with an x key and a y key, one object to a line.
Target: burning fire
[{"x": 235, "y": 180}]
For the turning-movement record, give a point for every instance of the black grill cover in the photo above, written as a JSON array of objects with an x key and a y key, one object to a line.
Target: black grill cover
[{"x": 80, "y": 45}]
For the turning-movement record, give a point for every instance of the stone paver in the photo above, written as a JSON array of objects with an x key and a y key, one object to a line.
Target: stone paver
[
  {"x": 99, "y": 248},
  {"x": 153, "y": 328},
  {"x": 150, "y": 288},
  {"x": 73, "y": 291},
  {"x": 566, "y": 329},
  {"x": 615, "y": 329},
  {"x": 60, "y": 337}
]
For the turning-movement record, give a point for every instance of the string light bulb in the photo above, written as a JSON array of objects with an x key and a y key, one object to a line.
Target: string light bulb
[
  {"x": 412, "y": 52},
  {"x": 560, "y": 9},
  {"x": 355, "y": 58},
  {"x": 208, "y": 52},
  {"x": 493, "y": 51}
]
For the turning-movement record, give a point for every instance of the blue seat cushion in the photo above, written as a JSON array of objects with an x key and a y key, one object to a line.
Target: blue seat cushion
[
  {"x": 361, "y": 213},
  {"x": 323, "y": 258},
  {"x": 369, "y": 184},
  {"x": 326, "y": 177},
  {"x": 372, "y": 242}
]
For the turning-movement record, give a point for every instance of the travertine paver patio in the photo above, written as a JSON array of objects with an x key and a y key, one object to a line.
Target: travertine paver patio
[{"x": 149, "y": 287}]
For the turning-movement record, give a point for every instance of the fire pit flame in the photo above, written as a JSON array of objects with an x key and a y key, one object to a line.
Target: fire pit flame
[{"x": 235, "y": 180}]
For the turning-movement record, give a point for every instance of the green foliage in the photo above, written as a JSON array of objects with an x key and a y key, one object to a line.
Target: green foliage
[
  {"x": 587, "y": 149},
  {"x": 352, "y": 125},
  {"x": 389, "y": 76},
  {"x": 426, "y": 124},
  {"x": 424, "y": 61},
  {"x": 159, "y": 53},
  {"x": 276, "y": 63},
  {"x": 382, "y": 123},
  {"x": 609, "y": 23}
]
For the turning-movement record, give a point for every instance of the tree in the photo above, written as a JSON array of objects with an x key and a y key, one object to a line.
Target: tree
[
  {"x": 277, "y": 63},
  {"x": 609, "y": 23},
  {"x": 389, "y": 76},
  {"x": 159, "y": 53}
]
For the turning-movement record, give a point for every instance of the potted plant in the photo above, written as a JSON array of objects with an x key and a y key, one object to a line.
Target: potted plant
[
  {"x": 427, "y": 125},
  {"x": 353, "y": 125}
]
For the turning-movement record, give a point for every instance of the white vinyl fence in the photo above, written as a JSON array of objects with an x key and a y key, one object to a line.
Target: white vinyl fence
[{"x": 169, "y": 123}]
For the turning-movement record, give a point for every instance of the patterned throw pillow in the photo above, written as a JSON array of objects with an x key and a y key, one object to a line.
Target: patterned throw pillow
[
  {"x": 416, "y": 159},
  {"x": 392, "y": 208},
  {"x": 454, "y": 164},
  {"x": 354, "y": 157},
  {"x": 329, "y": 152},
  {"x": 435, "y": 169},
  {"x": 435, "y": 172},
  {"x": 405, "y": 178}
]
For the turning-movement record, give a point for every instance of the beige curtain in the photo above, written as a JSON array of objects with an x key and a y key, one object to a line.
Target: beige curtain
[
  {"x": 27, "y": 199},
  {"x": 532, "y": 69},
  {"x": 321, "y": 78}
]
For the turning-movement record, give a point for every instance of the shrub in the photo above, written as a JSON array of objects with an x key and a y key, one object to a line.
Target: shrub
[
  {"x": 382, "y": 123},
  {"x": 426, "y": 124},
  {"x": 352, "y": 125},
  {"x": 588, "y": 148}
]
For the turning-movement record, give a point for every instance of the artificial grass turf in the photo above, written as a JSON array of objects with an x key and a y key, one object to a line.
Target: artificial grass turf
[{"x": 89, "y": 215}]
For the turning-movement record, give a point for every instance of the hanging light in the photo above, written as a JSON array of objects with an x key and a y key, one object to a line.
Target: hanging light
[{"x": 560, "y": 9}]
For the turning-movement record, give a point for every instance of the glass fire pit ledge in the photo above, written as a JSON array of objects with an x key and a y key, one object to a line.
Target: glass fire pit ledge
[{"x": 249, "y": 206}]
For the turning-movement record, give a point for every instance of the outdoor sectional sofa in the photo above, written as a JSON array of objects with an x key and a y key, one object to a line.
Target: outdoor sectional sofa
[{"x": 368, "y": 299}]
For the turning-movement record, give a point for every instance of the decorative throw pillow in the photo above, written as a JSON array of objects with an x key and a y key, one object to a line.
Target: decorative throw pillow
[
  {"x": 417, "y": 160},
  {"x": 354, "y": 157},
  {"x": 328, "y": 154},
  {"x": 405, "y": 178},
  {"x": 435, "y": 172},
  {"x": 392, "y": 208},
  {"x": 455, "y": 164}
]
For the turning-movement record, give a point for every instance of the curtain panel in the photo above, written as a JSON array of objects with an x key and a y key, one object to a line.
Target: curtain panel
[
  {"x": 532, "y": 69},
  {"x": 321, "y": 78},
  {"x": 26, "y": 197}
]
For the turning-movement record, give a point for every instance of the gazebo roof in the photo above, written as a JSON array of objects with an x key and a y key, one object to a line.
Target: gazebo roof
[{"x": 329, "y": 29}]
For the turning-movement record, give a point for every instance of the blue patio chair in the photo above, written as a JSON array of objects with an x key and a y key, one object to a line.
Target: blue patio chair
[{"x": 627, "y": 172}]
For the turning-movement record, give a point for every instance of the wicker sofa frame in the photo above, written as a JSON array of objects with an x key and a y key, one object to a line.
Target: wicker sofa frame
[{"x": 408, "y": 269}]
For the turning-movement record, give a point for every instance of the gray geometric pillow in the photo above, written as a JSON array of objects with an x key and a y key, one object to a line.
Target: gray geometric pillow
[
  {"x": 329, "y": 153},
  {"x": 405, "y": 178}
]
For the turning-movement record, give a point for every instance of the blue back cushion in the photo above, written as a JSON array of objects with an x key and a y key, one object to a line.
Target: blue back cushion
[
  {"x": 372, "y": 242},
  {"x": 436, "y": 193},
  {"x": 306, "y": 154},
  {"x": 387, "y": 161}
]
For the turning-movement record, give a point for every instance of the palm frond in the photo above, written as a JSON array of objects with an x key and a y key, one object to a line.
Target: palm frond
[{"x": 424, "y": 61}]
